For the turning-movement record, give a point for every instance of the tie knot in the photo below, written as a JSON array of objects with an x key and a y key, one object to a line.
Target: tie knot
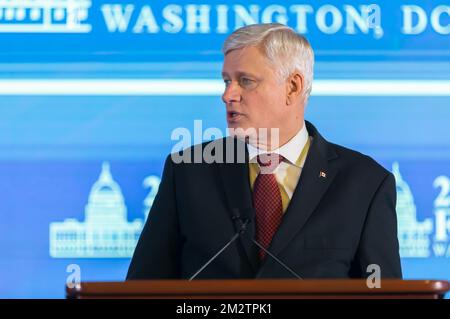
[{"x": 269, "y": 161}]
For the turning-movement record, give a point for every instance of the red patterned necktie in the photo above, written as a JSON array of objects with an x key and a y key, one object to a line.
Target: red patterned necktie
[{"x": 267, "y": 200}]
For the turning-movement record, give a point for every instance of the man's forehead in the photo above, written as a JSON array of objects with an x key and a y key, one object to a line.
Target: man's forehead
[
  {"x": 245, "y": 61},
  {"x": 244, "y": 53}
]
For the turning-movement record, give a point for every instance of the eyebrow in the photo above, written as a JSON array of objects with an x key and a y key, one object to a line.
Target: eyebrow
[{"x": 239, "y": 74}]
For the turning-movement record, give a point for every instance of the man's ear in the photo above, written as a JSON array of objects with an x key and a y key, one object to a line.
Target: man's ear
[{"x": 294, "y": 84}]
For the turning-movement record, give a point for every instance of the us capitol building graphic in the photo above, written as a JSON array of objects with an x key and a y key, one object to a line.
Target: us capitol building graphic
[
  {"x": 413, "y": 236},
  {"x": 106, "y": 233}
]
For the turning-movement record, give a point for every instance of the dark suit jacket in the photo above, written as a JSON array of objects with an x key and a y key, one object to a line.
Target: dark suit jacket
[{"x": 334, "y": 226}]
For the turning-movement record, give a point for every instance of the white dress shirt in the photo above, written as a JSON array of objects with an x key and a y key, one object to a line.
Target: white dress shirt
[{"x": 288, "y": 171}]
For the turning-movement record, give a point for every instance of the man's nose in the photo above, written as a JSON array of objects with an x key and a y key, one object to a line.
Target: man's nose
[{"x": 231, "y": 94}]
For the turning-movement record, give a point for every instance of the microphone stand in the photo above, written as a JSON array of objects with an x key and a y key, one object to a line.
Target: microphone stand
[{"x": 232, "y": 240}]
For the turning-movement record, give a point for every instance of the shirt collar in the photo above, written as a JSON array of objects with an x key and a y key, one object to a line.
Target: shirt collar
[{"x": 290, "y": 150}]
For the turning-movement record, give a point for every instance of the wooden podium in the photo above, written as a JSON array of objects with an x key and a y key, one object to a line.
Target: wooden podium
[{"x": 261, "y": 289}]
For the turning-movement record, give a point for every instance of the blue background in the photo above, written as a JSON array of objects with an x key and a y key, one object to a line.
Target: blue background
[{"x": 52, "y": 147}]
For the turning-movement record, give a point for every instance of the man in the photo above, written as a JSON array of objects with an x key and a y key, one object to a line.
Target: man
[{"x": 321, "y": 211}]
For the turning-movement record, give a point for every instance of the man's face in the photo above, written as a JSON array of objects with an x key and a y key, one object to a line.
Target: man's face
[{"x": 254, "y": 97}]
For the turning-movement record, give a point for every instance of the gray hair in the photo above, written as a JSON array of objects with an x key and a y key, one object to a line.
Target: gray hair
[{"x": 285, "y": 49}]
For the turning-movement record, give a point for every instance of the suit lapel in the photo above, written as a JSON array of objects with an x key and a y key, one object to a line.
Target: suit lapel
[
  {"x": 236, "y": 183},
  {"x": 317, "y": 175}
]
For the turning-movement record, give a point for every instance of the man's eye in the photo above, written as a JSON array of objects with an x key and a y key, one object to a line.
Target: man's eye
[
  {"x": 227, "y": 82},
  {"x": 246, "y": 82}
]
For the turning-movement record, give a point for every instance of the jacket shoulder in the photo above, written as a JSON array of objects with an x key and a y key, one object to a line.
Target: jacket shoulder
[{"x": 352, "y": 159}]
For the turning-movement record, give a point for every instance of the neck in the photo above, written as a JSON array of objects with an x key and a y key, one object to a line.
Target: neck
[{"x": 275, "y": 140}]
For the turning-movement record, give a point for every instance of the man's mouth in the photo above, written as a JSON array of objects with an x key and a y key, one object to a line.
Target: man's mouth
[{"x": 233, "y": 115}]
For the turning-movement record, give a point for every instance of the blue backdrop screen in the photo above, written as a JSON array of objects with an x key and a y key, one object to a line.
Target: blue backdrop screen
[{"x": 91, "y": 91}]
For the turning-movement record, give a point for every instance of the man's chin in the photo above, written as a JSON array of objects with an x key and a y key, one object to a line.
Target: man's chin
[{"x": 247, "y": 134}]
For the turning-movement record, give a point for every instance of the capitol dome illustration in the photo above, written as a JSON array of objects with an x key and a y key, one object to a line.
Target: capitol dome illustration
[
  {"x": 413, "y": 236},
  {"x": 105, "y": 233}
]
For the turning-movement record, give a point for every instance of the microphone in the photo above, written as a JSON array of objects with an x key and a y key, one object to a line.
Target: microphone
[
  {"x": 241, "y": 230},
  {"x": 245, "y": 220}
]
